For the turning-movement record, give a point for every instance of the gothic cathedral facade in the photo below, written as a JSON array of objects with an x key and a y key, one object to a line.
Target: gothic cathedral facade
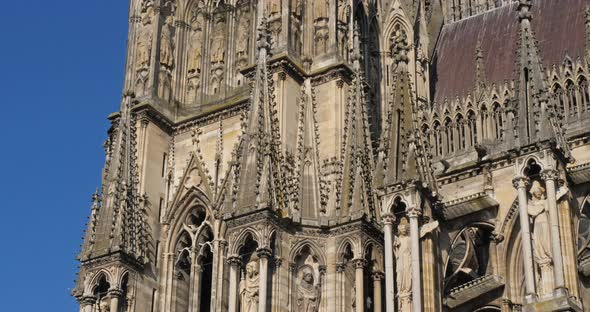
[{"x": 346, "y": 155}]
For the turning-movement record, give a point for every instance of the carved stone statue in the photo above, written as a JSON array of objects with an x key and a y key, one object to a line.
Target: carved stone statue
[
  {"x": 320, "y": 8},
  {"x": 343, "y": 11},
  {"x": 296, "y": 9},
  {"x": 308, "y": 292},
  {"x": 196, "y": 49},
  {"x": 249, "y": 287},
  {"x": 166, "y": 45},
  {"x": 403, "y": 256},
  {"x": 217, "y": 42},
  {"x": 144, "y": 40},
  {"x": 274, "y": 7},
  {"x": 537, "y": 209},
  {"x": 243, "y": 34},
  {"x": 104, "y": 305}
]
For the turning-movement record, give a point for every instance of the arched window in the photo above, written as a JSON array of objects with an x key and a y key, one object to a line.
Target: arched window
[
  {"x": 584, "y": 94},
  {"x": 498, "y": 121},
  {"x": 471, "y": 124},
  {"x": 449, "y": 138},
  {"x": 438, "y": 142},
  {"x": 572, "y": 99},
  {"x": 460, "y": 125},
  {"x": 484, "y": 121},
  {"x": 559, "y": 99},
  {"x": 194, "y": 262}
]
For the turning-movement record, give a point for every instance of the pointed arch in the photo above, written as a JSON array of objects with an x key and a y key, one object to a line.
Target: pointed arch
[
  {"x": 584, "y": 93},
  {"x": 312, "y": 246}
]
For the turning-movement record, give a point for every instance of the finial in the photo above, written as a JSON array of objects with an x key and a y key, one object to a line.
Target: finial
[
  {"x": 95, "y": 200},
  {"x": 263, "y": 35},
  {"x": 524, "y": 10},
  {"x": 356, "y": 45}
]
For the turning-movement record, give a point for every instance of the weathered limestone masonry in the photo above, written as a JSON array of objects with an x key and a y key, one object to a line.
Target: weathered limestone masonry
[{"x": 346, "y": 155}]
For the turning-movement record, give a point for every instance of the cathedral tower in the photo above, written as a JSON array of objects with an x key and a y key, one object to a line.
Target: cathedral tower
[{"x": 346, "y": 155}]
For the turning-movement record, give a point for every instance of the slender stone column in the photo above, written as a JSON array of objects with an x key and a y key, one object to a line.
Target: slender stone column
[
  {"x": 196, "y": 289},
  {"x": 359, "y": 265},
  {"x": 559, "y": 277},
  {"x": 413, "y": 214},
  {"x": 529, "y": 279},
  {"x": 263, "y": 255},
  {"x": 340, "y": 267},
  {"x": 86, "y": 303},
  {"x": 115, "y": 295},
  {"x": 377, "y": 280},
  {"x": 388, "y": 241},
  {"x": 234, "y": 267}
]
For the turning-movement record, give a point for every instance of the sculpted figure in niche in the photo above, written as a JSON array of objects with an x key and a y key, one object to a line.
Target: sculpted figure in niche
[
  {"x": 537, "y": 209},
  {"x": 144, "y": 40},
  {"x": 217, "y": 46},
  {"x": 343, "y": 11},
  {"x": 320, "y": 8},
  {"x": 274, "y": 7},
  {"x": 243, "y": 34},
  {"x": 104, "y": 305},
  {"x": 249, "y": 287},
  {"x": 308, "y": 292},
  {"x": 403, "y": 262},
  {"x": 195, "y": 49},
  {"x": 166, "y": 45},
  {"x": 296, "y": 9}
]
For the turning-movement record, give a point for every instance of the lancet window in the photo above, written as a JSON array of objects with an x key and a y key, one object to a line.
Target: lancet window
[
  {"x": 461, "y": 133},
  {"x": 572, "y": 99},
  {"x": 498, "y": 121},
  {"x": 193, "y": 263},
  {"x": 449, "y": 138},
  {"x": 472, "y": 126},
  {"x": 584, "y": 94},
  {"x": 559, "y": 99}
]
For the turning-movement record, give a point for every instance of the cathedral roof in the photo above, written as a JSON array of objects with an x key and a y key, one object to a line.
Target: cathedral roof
[{"x": 558, "y": 27}]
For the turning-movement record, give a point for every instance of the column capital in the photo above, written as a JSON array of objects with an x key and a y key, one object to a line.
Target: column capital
[
  {"x": 549, "y": 174},
  {"x": 359, "y": 263},
  {"x": 264, "y": 252},
  {"x": 414, "y": 213},
  {"x": 388, "y": 218},
  {"x": 520, "y": 182},
  {"x": 378, "y": 276},
  {"x": 234, "y": 260},
  {"x": 340, "y": 267},
  {"x": 115, "y": 292},
  {"x": 87, "y": 300}
]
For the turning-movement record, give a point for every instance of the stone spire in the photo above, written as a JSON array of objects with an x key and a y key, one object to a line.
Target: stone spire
[
  {"x": 259, "y": 175},
  {"x": 537, "y": 124},
  {"x": 404, "y": 152},
  {"x": 357, "y": 197},
  {"x": 117, "y": 219}
]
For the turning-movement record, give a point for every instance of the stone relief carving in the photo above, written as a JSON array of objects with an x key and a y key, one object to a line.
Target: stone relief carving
[
  {"x": 243, "y": 38},
  {"x": 217, "y": 52},
  {"x": 166, "y": 53},
  {"x": 144, "y": 49},
  {"x": 195, "y": 57},
  {"x": 249, "y": 287},
  {"x": 537, "y": 209},
  {"x": 403, "y": 256},
  {"x": 321, "y": 34},
  {"x": 343, "y": 21},
  {"x": 308, "y": 291},
  {"x": 296, "y": 24},
  {"x": 218, "y": 40}
]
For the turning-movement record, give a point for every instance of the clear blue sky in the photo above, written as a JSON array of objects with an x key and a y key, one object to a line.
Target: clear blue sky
[{"x": 61, "y": 75}]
